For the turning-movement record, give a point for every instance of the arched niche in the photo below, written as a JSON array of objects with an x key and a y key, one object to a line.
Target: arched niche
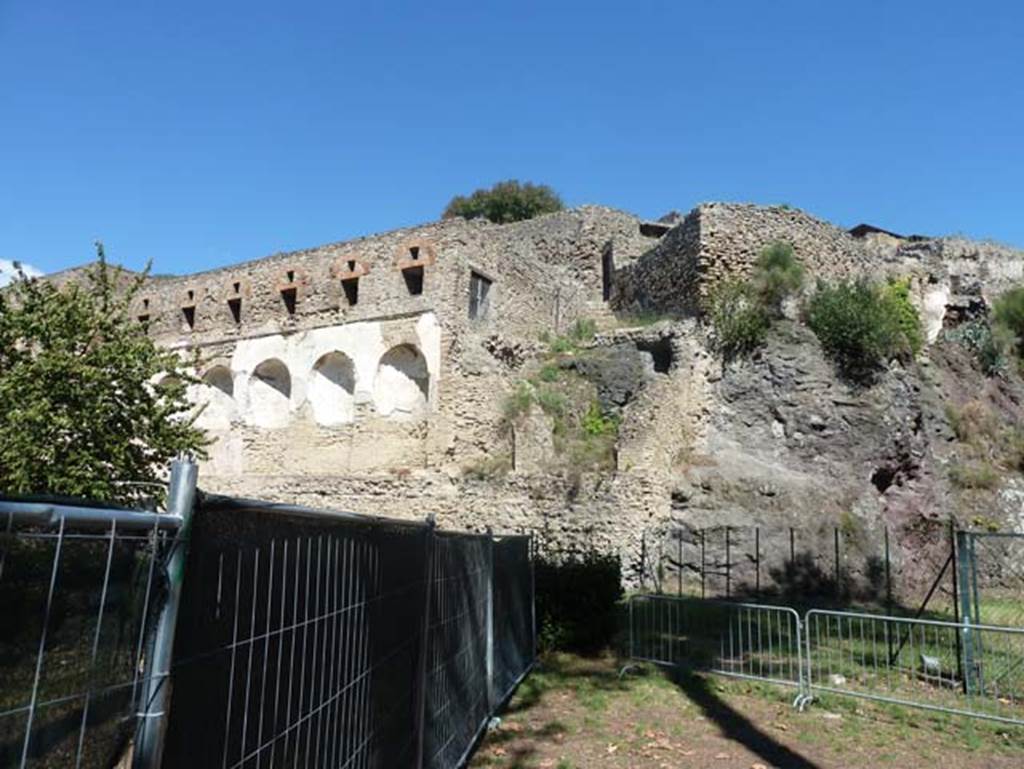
[
  {"x": 270, "y": 392},
  {"x": 331, "y": 389},
  {"x": 401, "y": 387},
  {"x": 216, "y": 396}
]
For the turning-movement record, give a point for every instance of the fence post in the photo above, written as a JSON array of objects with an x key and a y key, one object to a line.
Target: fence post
[
  {"x": 956, "y": 602},
  {"x": 757, "y": 561},
  {"x": 533, "y": 593},
  {"x": 888, "y": 594},
  {"x": 728, "y": 564},
  {"x": 156, "y": 685},
  {"x": 421, "y": 673},
  {"x": 962, "y": 549},
  {"x": 490, "y": 620},
  {"x": 835, "y": 538},
  {"x": 679, "y": 562},
  {"x": 702, "y": 566}
]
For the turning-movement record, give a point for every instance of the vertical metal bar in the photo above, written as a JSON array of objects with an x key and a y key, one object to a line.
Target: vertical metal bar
[
  {"x": 96, "y": 644},
  {"x": 489, "y": 611},
  {"x": 428, "y": 575},
  {"x": 149, "y": 747},
  {"x": 963, "y": 554},
  {"x": 956, "y": 601},
  {"x": 533, "y": 595},
  {"x": 757, "y": 560},
  {"x": 888, "y": 595},
  {"x": 679, "y": 562},
  {"x": 643, "y": 559},
  {"x": 728, "y": 564},
  {"x": 702, "y": 564},
  {"x": 41, "y": 651},
  {"x": 835, "y": 537}
]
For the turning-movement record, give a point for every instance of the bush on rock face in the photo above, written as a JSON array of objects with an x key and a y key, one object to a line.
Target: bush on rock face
[
  {"x": 862, "y": 326},
  {"x": 777, "y": 275},
  {"x": 739, "y": 318}
]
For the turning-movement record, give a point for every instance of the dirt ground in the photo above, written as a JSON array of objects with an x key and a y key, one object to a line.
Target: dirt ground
[{"x": 576, "y": 713}]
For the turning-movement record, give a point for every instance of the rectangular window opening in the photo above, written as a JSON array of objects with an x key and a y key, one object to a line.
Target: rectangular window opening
[
  {"x": 235, "y": 305},
  {"x": 291, "y": 276},
  {"x": 144, "y": 322},
  {"x": 413, "y": 280},
  {"x": 289, "y": 296},
  {"x": 189, "y": 314},
  {"x": 479, "y": 296},
  {"x": 414, "y": 252},
  {"x": 351, "y": 289}
]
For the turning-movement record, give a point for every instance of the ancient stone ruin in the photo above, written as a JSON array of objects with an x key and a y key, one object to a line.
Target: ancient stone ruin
[{"x": 380, "y": 375}]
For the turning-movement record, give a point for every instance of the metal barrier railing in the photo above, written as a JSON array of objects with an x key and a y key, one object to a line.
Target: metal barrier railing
[
  {"x": 81, "y": 589},
  {"x": 741, "y": 640},
  {"x": 971, "y": 670},
  {"x": 959, "y": 668}
]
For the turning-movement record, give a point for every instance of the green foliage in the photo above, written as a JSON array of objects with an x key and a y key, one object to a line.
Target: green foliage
[
  {"x": 991, "y": 346},
  {"x": 777, "y": 275},
  {"x": 78, "y": 413},
  {"x": 860, "y": 326},
  {"x": 577, "y": 601},
  {"x": 551, "y": 402},
  {"x": 739, "y": 318},
  {"x": 896, "y": 294},
  {"x": 596, "y": 423},
  {"x": 549, "y": 372},
  {"x": 980, "y": 475},
  {"x": 1008, "y": 321},
  {"x": 508, "y": 201},
  {"x": 583, "y": 330},
  {"x": 518, "y": 402}
]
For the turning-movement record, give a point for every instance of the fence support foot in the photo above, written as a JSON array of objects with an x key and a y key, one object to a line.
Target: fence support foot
[{"x": 802, "y": 701}]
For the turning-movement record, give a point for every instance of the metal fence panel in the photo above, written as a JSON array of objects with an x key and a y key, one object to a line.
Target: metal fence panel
[
  {"x": 513, "y": 613},
  {"x": 79, "y": 590},
  {"x": 298, "y": 640},
  {"x": 457, "y": 665},
  {"x": 734, "y": 639},
  {"x": 918, "y": 663}
]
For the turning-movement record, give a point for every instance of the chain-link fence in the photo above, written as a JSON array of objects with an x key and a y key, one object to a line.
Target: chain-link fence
[{"x": 328, "y": 639}]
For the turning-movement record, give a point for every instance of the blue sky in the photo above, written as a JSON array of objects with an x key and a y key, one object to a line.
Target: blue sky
[{"x": 196, "y": 134}]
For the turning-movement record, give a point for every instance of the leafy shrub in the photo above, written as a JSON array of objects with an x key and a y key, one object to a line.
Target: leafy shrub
[
  {"x": 991, "y": 346},
  {"x": 508, "y": 201},
  {"x": 1008, "y": 319},
  {"x": 583, "y": 330},
  {"x": 896, "y": 294},
  {"x": 980, "y": 475},
  {"x": 577, "y": 601},
  {"x": 777, "y": 275},
  {"x": 518, "y": 402},
  {"x": 739, "y": 318},
  {"x": 860, "y": 327},
  {"x": 596, "y": 423},
  {"x": 549, "y": 372}
]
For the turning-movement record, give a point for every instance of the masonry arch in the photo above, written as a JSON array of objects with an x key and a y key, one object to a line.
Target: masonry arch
[
  {"x": 270, "y": 392},
  {"x": 331, "y": 390},
  {"x": 401, "y": 388},
  {"x": 216, "y": 397}
]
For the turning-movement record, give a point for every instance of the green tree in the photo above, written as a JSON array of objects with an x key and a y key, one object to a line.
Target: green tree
[
  {"x": 508, "y": 201},
  {"x": 79, "y": 414}
]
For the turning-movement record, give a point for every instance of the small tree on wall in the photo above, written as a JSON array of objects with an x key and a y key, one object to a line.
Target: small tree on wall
[
  {"x": 509, "y": 201},
  {"x": 79, "y": 414}
]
